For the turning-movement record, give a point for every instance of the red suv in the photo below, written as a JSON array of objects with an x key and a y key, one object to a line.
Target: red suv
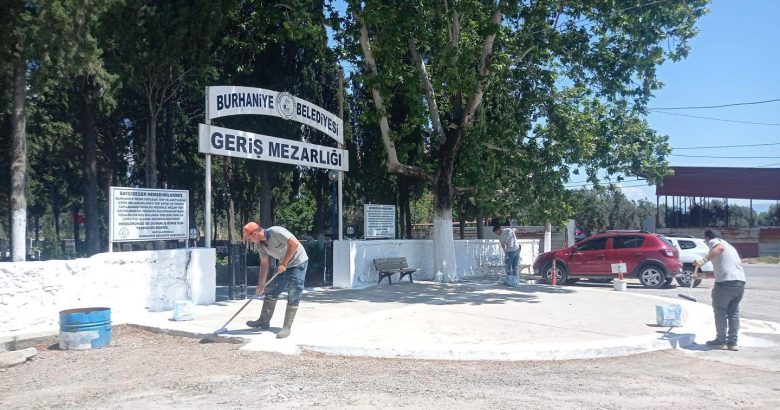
[{"x": 649, "y": 257}]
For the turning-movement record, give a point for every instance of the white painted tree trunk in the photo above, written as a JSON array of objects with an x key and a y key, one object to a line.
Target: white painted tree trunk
[
  {"x": 444, "y": 266},
  {"x": 547, "y": 237},
  {"x": 19, "y": 163},
  {"x": 19, "y": 239}
]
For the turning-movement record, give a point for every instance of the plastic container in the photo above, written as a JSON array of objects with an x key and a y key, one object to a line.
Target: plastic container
[
  {"x": 183, "y": 310},
  {"x": 620, "y": 285},
  {"x": 668, "y": 315}
]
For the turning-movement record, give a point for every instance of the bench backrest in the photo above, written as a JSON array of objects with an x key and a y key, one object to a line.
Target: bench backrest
[{"x": 390, "y": 263}]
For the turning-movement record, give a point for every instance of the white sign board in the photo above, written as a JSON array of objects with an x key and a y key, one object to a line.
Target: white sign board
[
  {"x": 241, "y": 144},
  {"x": 232, "y": 100},
  {"x": 140, "y": 214},
  {"x": 619, "y": 268},
  {"x": 379, "y": 221}
]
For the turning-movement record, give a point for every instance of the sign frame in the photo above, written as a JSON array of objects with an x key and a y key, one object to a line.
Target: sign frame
[
  {"x": 225, "y": 100},
  {"x": 114, "y": 234},
  {"x": 369, "y": 232},
  {"x": 260, "y": 147}
]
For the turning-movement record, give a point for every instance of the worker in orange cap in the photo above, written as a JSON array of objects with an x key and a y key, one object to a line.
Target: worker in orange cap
[{"x": 278, "y": 243}]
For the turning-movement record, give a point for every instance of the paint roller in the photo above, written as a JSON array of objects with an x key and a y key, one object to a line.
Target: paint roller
[{"x": 689, "y": 296}]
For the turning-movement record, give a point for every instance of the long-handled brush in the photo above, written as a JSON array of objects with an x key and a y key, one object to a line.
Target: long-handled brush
[
  {"x": 688, "y": 296},
  {"x": 214, "y": 337}
]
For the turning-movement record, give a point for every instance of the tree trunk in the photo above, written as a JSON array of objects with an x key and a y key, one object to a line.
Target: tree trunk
[
  {"x": 321, "y": 204},
  {"x": 231, "y": 211},
  {"x": 403, "y": 201},
  {"x": 231, "y": 219},
  {"x": 408, "y": 212},
  {"x": 92, "y": 234},
  {"x": 55, "y": 210},
  {"x": 151, "y": 152},
  {"x": 266, "y": 198},
  {"x": 76, "y": 227},
  {"x": 445, "y": 269},
  {"x": 480, "y": 225},
  {"x": 19, "y": 163},
  {"x": 462, "y": 224}
]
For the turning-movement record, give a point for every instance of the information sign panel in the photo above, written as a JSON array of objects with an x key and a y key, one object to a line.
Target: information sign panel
[
  {"x": 379, "y": 221},
  {"x": 140, "y": 214}
]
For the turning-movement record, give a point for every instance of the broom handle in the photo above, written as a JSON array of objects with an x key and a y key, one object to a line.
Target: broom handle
[
  {"x": 247, "y": 302},
  {"x": 695, "y": 270}
]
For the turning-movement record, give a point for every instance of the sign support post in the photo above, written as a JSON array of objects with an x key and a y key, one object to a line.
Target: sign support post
[
  {"x": 110, "y": 225},
  {"x": 207, "y": 214},
  {"x": 341, "y": 146}
]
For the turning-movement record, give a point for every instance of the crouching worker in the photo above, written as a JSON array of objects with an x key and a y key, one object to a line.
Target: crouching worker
[{"x": 280, "y": 244}]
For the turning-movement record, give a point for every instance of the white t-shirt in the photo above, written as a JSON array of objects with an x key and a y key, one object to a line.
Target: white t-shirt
[
  {"x": 727, "y": 265},
  {"x": 508, "y": 239}
]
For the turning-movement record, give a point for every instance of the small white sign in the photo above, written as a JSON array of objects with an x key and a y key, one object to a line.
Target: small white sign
[
  {"x": 241, "y": 144},
  {"x": 619, "y": 268},
  {"x": 379, "y": 221},
  {"x": 140, "y": 214}
]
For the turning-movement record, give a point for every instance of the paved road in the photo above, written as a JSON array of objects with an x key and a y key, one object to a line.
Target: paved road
[{"x": 762, "y": 295}]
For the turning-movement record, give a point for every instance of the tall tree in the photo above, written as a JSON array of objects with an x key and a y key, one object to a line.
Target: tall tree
[
  {"x": 581, "y": 73},
  {"x": 158, "y": 46},
  {"x": 46, "y": 38}
]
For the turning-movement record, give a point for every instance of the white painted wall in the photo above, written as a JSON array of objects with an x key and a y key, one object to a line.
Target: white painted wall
[
  {"x": 353, "y": 260},
  {"x": 33, "y": 293}
]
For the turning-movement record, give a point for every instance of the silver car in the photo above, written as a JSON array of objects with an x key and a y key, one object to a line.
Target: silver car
[{"x": 690, "y": 249}]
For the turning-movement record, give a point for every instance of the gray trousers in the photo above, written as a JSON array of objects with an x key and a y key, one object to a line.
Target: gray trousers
[{"x": 725, "y": 304}]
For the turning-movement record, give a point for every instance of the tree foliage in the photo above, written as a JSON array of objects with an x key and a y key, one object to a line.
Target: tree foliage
[
  {"x": 483, "y": 108},
  {"x": 545, "y": 86}
]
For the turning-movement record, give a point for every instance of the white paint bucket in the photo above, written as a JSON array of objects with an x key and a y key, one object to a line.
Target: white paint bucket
[
  {"x": 183, "y": 310},
  {"x": 668, "y": 315},
  {"x": 620, "y": 285}
]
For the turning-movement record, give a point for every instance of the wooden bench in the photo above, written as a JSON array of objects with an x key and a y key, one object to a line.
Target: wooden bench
[{"x": 386, "y": 267}]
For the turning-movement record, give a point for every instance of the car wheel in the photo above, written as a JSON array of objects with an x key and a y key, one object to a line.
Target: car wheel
[
  {"x": 685, "y": 280},
  {"x": 547, "y": 273},
  {"x": 651, "y": 276}
]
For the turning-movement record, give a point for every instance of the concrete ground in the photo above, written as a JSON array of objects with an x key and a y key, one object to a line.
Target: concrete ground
[{"x": 473, "y": 320}]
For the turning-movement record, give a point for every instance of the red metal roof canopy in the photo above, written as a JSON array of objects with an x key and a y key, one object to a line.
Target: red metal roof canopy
[{"x": 716, "y": 182}]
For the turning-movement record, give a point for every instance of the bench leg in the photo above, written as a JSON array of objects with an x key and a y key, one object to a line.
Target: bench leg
[{"x": 385, "y": 275}]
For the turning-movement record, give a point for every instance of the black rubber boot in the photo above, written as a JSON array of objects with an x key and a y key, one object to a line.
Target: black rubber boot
[
  {"x": 289, "y": 316},
  {"x": 717, "y": 344},
  {"x": 264, "y": 321}
]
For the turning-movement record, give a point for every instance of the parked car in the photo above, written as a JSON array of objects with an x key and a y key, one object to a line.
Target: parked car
[
  {"x": 690, "y": 249},
  {"x": 649, "y": 257}
]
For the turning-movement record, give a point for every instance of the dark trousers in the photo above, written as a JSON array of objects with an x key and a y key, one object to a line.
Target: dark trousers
[{"x": 725, "y": 304}]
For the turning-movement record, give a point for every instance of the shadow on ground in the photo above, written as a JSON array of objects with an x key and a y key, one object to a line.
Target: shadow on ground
[{"x": 471, "y": 292}]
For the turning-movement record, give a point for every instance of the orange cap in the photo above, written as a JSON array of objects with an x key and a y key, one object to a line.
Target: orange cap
[{"x": 250, "y": 228}]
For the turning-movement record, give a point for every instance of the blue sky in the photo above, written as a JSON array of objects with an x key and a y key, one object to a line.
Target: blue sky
[{"x": 735, "y": 58}]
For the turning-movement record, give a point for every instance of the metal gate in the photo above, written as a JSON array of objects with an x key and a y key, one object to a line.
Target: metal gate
[{"x": 237, "y": 279}]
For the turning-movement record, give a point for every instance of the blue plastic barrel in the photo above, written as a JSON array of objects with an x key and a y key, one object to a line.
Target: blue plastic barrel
[{"x": 85, "y": 328}]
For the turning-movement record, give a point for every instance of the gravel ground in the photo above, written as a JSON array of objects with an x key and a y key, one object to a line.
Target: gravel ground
[{"x": 147, "y": 370}]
